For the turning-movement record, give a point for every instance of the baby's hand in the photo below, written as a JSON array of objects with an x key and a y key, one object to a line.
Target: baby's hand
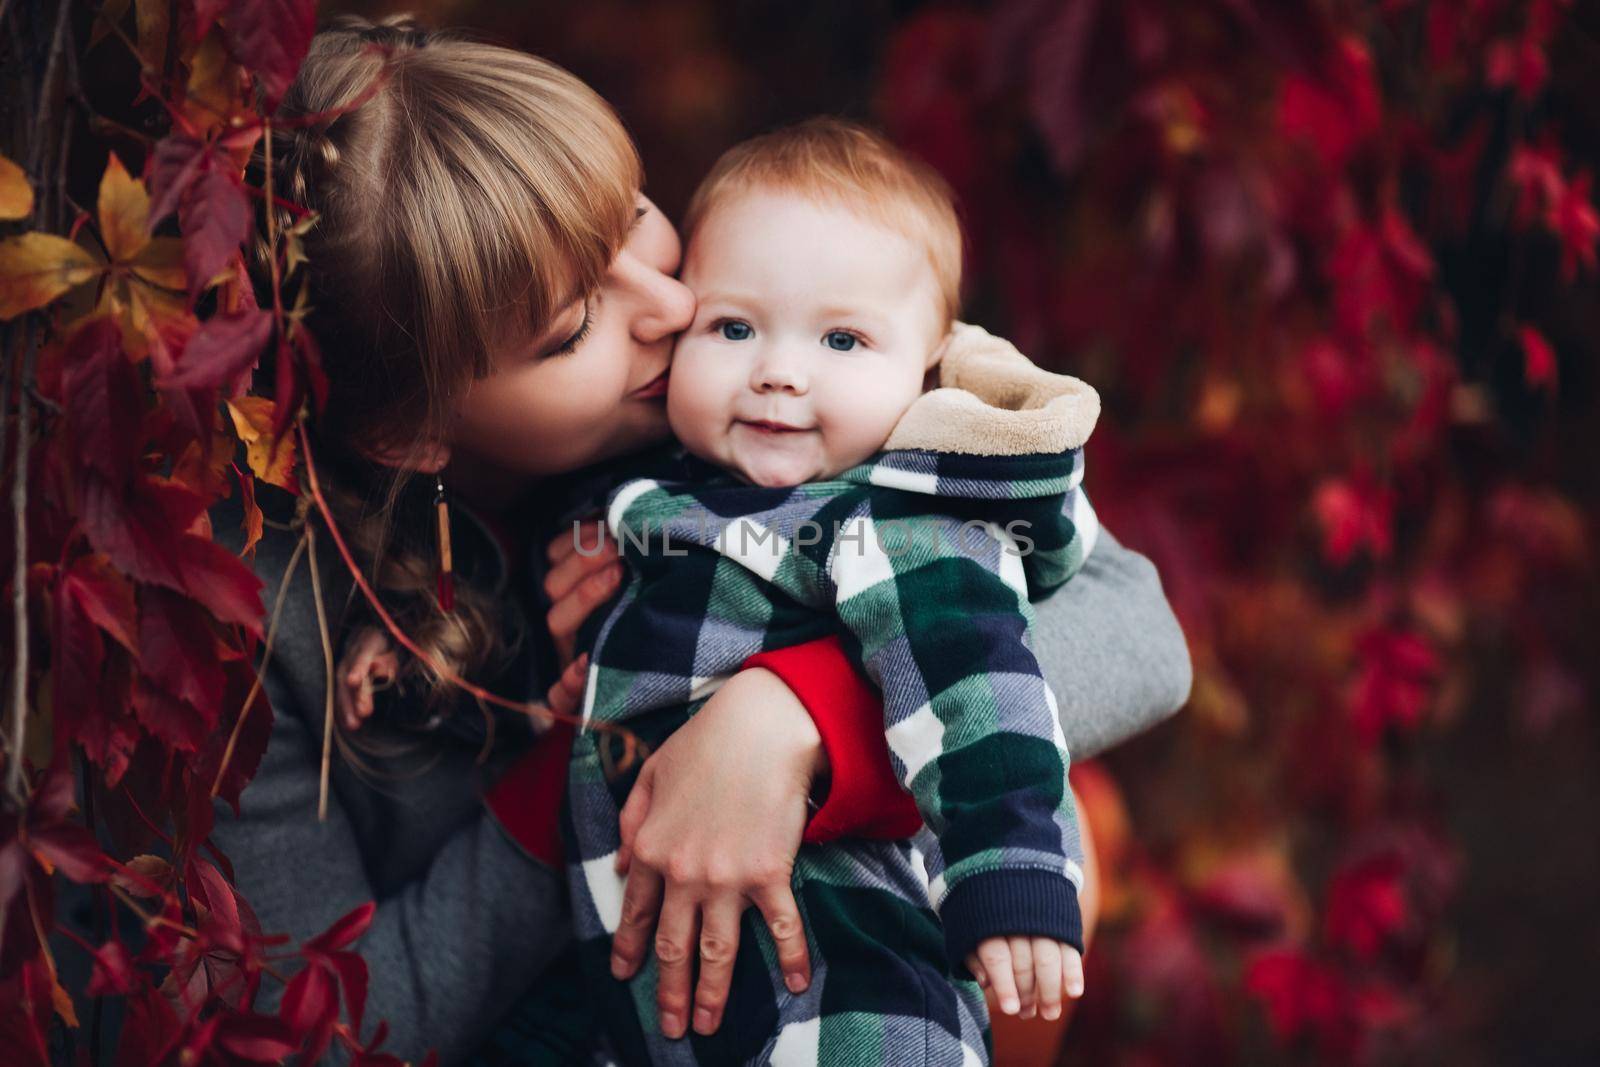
[
  {"x": 1028, "y": 974},
  {"x": 368, "y": 658}
]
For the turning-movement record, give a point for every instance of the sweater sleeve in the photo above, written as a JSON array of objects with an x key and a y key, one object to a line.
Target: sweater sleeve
[
  {"x": 945, "y": 631},
  {"x": 448, "y": 953},
  {"x": 1112, "y": 650}
]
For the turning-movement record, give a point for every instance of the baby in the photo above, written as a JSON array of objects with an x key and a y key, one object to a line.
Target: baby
[{"x": 822, "y": 490}]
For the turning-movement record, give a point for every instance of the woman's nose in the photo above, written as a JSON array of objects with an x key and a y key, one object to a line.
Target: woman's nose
[{"x": 666, "y": 306}]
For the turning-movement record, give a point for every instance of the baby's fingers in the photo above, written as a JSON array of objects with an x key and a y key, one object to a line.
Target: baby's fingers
[
  {"x": 1022, "y": 969},
  {"x": 1072, "y": 971},
  {"x": 1047, "y": 973},
  {"x": 995, "y": 956},
  {"x": 976, "y": 970}
]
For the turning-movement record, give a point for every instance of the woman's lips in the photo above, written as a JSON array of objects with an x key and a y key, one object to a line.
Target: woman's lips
[{"x": 655, "y": 387}]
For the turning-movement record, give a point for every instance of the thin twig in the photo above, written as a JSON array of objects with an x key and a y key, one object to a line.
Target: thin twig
[
  {"x": 266, "y": 658},
  {"x": 327, "y": 663},
  {"x": 18, "y": 737}
]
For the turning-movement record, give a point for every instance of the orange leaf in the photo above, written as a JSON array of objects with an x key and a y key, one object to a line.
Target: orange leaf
[
  {"x": 124, "y": 212},
  {"x": 271, "y": 458},
  {"x": 16, "y": 195},
  {"x": 35, "y": 268},
  {"x": 63, "y": 1003}
]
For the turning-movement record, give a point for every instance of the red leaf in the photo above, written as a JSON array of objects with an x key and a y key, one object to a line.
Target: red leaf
[
  {"x": 72, "y": 850},
  {"x": 1395, "y": 685},
  {"x": 149, "y": 1030},
  {"x": 222, "y": 352},
  {"x": 1367, "y": 905},
  {"x": 310, "y": 1007},
  {"x": 353, "y": 978},
  {"x": 113, "y": 971},
  {"x": 105, "y": 597},
  {"x": 1300, "y": 994},
  {"x": 102, "y": 396},
  {"x": 177, "y": 659},
  {"x": 344, "y": 930},
  {"x": 215, "y": 218},
  {"x": 175, "y": 165},
  {"x": 1539, "y": 368},
  {"x": 1354, "y": 514},
  {"x": 253, "y": 736},
  {"x": 221, "y": 581},
  {"x": 1575, "y": 222},
  {"x": 257, "y": 1038},
  {"x": 271, "y": 37}
]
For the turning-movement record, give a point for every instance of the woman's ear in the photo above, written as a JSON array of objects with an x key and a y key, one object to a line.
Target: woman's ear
[{"x": 428, "y": 458}]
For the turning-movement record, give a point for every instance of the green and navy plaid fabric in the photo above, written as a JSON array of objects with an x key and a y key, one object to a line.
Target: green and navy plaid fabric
[{"x": 926, "y": 564}]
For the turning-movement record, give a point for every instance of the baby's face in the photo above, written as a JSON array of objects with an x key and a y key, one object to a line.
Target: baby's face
[{"x": 814, "y": 330}]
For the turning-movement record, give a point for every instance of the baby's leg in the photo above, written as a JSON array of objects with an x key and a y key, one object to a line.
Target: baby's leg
[{"x": 882, "y": 992}]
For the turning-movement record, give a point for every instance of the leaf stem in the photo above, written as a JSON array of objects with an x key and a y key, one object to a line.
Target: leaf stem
[
  {"x": 327, "y": 664},
  {"x": 261, "y": 669}
]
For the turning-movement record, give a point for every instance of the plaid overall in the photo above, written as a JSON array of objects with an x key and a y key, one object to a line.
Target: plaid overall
[{"x": 926, "y": 564}]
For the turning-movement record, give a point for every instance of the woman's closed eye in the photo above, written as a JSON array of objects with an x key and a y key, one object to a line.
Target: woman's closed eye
[{"x": 578, "y": 335}]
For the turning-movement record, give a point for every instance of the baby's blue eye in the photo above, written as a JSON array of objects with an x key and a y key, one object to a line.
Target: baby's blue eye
[
  {"x": 840, "y": 341},
  {"x": 736, "y": 331}
]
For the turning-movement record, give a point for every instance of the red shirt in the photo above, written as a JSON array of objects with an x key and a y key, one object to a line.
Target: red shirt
[{"x": 864, "y": 798}]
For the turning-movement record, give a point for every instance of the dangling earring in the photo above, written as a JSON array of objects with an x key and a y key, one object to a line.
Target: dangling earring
[{"x": 447, "y": 581}]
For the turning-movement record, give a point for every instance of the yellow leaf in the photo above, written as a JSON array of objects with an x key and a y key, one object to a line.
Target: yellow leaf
[
  {"x": 35, "y": 268},
  {"x": 271, "y": 459},
  {"x": 215, "y": 86},
  {"x": 124, "y": 212},
  {"x": 161, "y": 263},
  {"x": 16, "y": 195},
  {"x": 151, "y": 18}
]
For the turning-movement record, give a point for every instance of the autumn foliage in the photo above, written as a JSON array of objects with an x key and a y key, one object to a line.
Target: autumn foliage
[
  {"x": 132, "y": 337},
  {"x": 1307, "y": 253}
]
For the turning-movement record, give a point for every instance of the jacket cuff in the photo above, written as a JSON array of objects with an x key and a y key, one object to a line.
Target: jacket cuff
[
  {"x": 526, "y": 801},
  {"x": 864, "y": 799},
  {"x": 1009, "y": 902}
]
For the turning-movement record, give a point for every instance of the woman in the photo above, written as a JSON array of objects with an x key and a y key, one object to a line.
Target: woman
[{"x": 495, "y": 304}]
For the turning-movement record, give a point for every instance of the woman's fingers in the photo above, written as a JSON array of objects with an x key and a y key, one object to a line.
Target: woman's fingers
[
  {"x": 788, "y": 934},
  {"x": 634, "y": 813},
  {"x": 1022, "y": 969},
  {"x": 641, "y": 899},
  {"x": 719, "y": 942},
  {"x": 575, "y": 567},
  {"x": 1072, "y": 971},
  {"x": 585, "y": 533},
  {"x": 566, "y": 615},
  {"x": 567, "y": 694},
  {"x": 995, "y": 955},
  {"x": 1047, "y": 973},
  {"x": 677, "y": 942}
]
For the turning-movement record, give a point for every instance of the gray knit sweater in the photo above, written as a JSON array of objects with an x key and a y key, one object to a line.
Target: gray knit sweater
[{"x": 467, "y": 919}]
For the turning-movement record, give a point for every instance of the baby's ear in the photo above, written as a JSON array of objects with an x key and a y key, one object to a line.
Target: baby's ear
[{"x": 938, "y": 351}]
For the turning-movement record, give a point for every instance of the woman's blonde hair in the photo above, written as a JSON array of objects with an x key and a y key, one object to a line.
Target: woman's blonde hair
[{"x": 463, "y": 193}]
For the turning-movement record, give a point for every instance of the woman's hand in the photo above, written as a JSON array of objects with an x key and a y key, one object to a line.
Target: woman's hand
[
  {"x": 578, "y": 582},
  {"x": 711, "y": 828}
]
